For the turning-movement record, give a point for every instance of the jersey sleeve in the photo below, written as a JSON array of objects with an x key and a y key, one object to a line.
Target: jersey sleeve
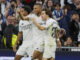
[{"x": 55, "y": 25}]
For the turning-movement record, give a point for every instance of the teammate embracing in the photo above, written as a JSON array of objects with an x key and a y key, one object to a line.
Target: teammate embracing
[{"x": 49, "y": 43}]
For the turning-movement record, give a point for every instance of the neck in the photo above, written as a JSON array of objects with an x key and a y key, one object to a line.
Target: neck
[
  {"x": 38, "y": 14},
  {"x": 48, "y": 18}
]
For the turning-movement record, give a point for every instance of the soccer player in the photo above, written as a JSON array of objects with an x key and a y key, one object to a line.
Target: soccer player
[
  {"x": 37, "y": 34},
  {"x": 25, "y": 31},
  {"x": 50, "y": 28}
]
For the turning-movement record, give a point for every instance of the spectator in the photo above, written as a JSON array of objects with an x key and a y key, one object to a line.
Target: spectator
[
  {"x": 66, "y": 2},
  {"x": 8, "y": 34},
  {"x": 49, "y": 4},
  {"x": 74, "y": 27},
  {"x": 69, "y": 2},
  {"x": 68, "y": 42},
  {"x": 12, "y": 9},
  {"x": 9, "y": 31},
  {"x": 11, "y": 20},
  {"x": 77, "y": 6},
  {"x": 3, "y": 6},
  {"x": 66, "y": 19},
  {"x": 58, "y": 14},
  {"x": 62, "y": 36},
  {"x": 19, "y": 4}
]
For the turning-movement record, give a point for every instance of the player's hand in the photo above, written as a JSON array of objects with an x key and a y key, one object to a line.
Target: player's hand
[
  {"x": 21, "y": 11},
  {"x": 33, "y": 19},
  {"x": 14, "y": 48},
  {"x": 59, "y": 44}
]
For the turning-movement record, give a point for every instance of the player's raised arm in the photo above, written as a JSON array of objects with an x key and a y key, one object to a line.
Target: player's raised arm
[
  {"x": 24, "y": 12},
  {"x": 23, "y": 17},
  {"x": 38, "y": 25}
]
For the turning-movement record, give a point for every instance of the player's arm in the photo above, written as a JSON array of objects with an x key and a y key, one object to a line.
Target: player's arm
[
  {"x": 17, "y": 41},
  {"x": 58, "y": 40},
  {"x": 38, "y": 25},
  {"x": 20, "y": 12},
  {"x": 19, "y": 36},
  {"x": 59, "y": 44},
  {"x": 55, "y": 25},
  {"x": 23, "y": 17}
]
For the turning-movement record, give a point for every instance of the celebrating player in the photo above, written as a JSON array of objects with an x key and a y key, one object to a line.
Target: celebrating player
[{"x": 49, "y": 44}]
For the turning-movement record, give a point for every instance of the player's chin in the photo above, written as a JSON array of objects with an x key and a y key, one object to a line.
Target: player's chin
[{"x": 43, "y": 19}]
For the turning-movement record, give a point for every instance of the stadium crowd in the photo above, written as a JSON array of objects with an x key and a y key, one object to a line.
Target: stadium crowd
[{"x": 65, "y": 12}]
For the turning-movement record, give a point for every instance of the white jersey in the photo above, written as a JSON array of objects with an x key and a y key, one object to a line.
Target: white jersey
[
  {"x": 48, "y": 44},
  {"x": 36, "y": 32},
  {"x": 51, "y": 26},
  {"x": 50, "y": 38},
  {"x": 26, "y": 28}
]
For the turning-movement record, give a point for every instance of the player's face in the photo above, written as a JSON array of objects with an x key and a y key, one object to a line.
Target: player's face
[
  {"x": 43, "y": 15},
  {"x": 24, "y": 12},
  {"x": 36, "y": 9}
]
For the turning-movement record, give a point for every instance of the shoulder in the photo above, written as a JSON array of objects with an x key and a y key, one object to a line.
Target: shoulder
[{"x": 52, "y": 20}]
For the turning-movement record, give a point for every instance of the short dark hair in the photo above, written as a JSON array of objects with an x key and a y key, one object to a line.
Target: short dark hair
[
  {"x": 27, "y": 8},
  {"x": 38, "y": 4},
  {"x": 48, "y": 12}
]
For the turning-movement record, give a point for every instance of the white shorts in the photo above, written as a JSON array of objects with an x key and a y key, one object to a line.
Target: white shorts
[
  {"x": 39, "y": 44},
  {"x": 49, "y": 47},
  {"x": 25, "y": 51}
]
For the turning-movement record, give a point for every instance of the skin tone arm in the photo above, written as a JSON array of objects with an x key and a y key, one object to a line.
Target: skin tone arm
[
  {"x": 17, "y": 41},
  {"x": 6, "y": 12},
  {"x": 38, "y": 25},
  {"x": 57, "y": 38}
]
